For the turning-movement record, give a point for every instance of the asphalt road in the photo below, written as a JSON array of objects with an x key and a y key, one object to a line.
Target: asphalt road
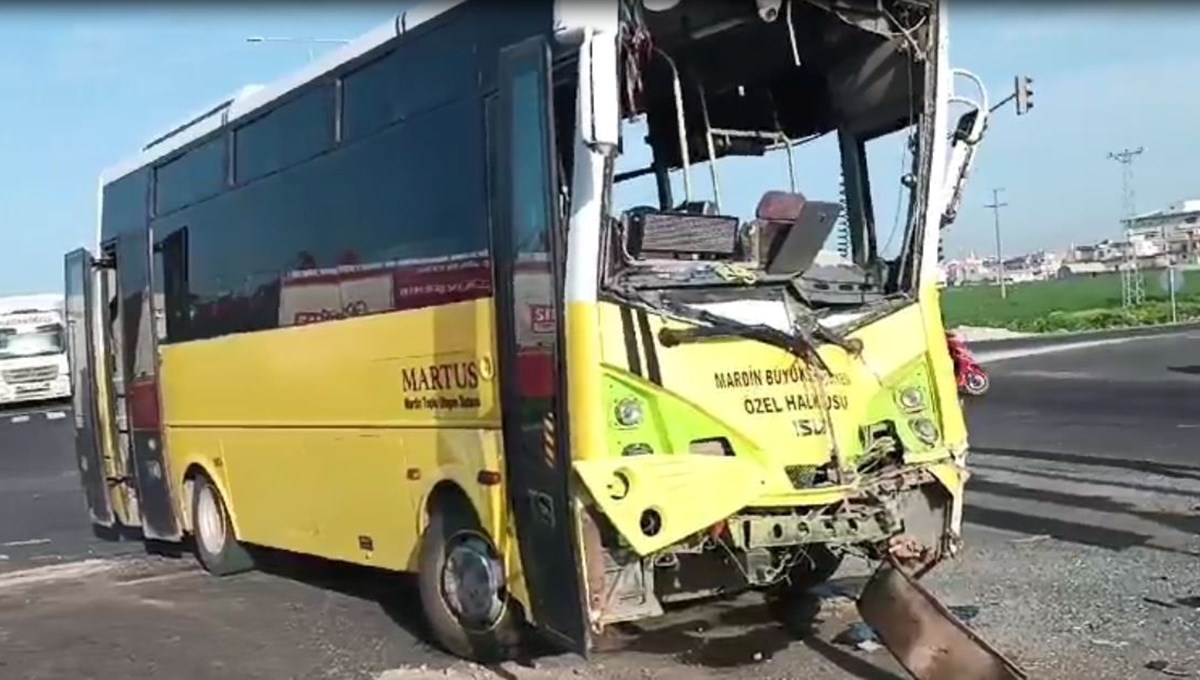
[
  {"x": 1134, "y": 399},
  {"x": 1082, "y": 531},
  {"x": 1119, "y": 415},
  {"x": 43, "y": 517}
]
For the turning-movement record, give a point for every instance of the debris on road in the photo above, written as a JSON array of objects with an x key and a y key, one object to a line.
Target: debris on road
[
  {"x": 923, "y": 635},
  {"x": 1161, "y": 603},
  {"x": 965, "y": 612},
  {"x": 860, "y": 636},
  {"x": 1165, "y": 668}
]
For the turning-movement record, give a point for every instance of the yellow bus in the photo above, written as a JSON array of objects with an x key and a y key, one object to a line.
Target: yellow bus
[{"x": 525, "y": 299}]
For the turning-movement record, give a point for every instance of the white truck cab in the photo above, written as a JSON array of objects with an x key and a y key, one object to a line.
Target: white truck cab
[{"x": 33, "y": 359}]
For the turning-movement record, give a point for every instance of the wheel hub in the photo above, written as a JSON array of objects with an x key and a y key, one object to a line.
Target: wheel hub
[
  {"x": 473, "y": 583},
  {"x": 210, "y": 529}
]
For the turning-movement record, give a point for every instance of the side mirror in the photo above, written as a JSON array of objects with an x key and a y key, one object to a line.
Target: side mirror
[{"x": 599, "y": 100}]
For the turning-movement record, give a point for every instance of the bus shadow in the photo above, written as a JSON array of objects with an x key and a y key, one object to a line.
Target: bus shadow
[
  {"x": 733, "y": 633},
  {"x": 720, "y": 634},
  {"x": 394, "y": 592}
]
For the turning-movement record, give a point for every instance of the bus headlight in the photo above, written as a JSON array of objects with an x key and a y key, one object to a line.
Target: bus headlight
[
  {"x": 925, "y": 430},
  {"x": 911, "y": 399},
  {"x": 629, "y": 412}
]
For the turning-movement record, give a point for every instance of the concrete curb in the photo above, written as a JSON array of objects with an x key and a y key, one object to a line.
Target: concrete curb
[{"x": 1050, "y": 339}]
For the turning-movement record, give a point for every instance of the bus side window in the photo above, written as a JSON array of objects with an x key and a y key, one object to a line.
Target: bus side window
[{"x": 171, "y": 255}]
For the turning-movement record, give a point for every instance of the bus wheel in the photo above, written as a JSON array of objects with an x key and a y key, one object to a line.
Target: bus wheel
[
  {"x": 817, "y": 566},
  {"x": 216, "y": 546},
  {"x": 462, "y": 588}
]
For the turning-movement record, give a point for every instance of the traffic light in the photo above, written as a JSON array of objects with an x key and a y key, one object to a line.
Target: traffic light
[{"x": 1024, "y": 94}]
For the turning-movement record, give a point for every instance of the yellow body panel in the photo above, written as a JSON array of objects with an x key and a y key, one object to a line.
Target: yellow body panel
[
  {"x": 757, "y": 397},
  {"x": 759, "y": 390},
  {"x": 326, "y": 435},
  {"x": 687, "y": 493},
  {"x": 584, "y": 386}
]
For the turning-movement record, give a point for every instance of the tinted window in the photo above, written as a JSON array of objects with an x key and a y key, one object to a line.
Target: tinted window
[
  {"x": 192, "y": 177},
  {"x": 418, "y": 76},
  {"x": 529, "y": 172},
  {"x": 295, "y": 131},
  {"x": 322, "y": 238},
  {"x": 171, "y": 277},
  {"x": 125, "y": 204}
]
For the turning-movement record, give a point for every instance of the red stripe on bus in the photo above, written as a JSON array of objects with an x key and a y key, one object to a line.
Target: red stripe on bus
[
  {"x": 142, "y": 399},
  {"x": 535, "y": 375}
]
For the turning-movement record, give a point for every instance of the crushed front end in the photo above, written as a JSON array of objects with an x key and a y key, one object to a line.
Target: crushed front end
[
  {"x": 774, "y": 372},
  {"x": 735, "y": 465}
]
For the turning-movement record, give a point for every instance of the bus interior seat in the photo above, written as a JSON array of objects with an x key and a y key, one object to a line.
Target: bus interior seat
[
  {"x": 791, "y": 230},
  {"x": 695, "y": 233}
]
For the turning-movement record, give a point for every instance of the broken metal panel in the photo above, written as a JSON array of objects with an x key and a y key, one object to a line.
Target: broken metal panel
[
  {"x": 924, "y": 636},
  {"x": 855, "y": 524}
]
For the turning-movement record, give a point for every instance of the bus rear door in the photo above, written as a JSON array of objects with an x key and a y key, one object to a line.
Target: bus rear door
[
  {"x": 139, "y": 363},
  {"x": 528, "y": 249},
  {"x": 79, "y": 268}
]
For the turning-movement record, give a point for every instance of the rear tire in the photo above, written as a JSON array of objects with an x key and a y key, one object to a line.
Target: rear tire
[{"x": 217, "y": 548}]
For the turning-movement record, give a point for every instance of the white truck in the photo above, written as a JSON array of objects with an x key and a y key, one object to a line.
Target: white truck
[{"x": 33, "y": 358}]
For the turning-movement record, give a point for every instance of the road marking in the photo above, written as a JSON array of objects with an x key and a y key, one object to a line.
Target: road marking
[
  {"x": 1006, "y": 354},
  {"x": 1066, "y": 375},
  {"x": 28, "y": 415},
  {"x": 56, "y": 572},
  {"x": 32, "y": 541}
]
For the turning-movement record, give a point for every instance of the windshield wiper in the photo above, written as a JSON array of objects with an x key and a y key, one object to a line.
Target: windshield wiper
[
  {"x": 802, "y": 344},
  {"x": 807, "y": 335}
]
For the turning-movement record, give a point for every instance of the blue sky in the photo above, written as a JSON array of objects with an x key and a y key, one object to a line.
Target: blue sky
[{"x": 83, "y": 88}]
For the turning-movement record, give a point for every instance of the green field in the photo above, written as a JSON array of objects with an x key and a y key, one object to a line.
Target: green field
[{"x": 1079, "y": 303}]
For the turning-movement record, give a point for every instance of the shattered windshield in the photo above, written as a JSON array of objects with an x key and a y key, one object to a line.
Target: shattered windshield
[{"x": 814, "y": 123}]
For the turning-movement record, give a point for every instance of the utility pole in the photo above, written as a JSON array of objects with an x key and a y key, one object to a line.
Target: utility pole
[
  {"x": 996, "y": 205},
  {"x": 1133, "y": 289}
]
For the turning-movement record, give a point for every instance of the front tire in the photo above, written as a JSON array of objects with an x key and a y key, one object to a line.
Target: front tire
[
  {"x": 789, "y": 601},
  {"x": 462, "y": 588},
  {"x": 217, "y": 548}
]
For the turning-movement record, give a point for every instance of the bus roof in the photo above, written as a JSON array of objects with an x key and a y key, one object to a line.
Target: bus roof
[{"x": 250, "y": 98}]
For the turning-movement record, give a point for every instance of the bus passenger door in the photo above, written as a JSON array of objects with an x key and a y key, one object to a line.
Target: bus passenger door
[
  {"x": 139, "y": 359},
  {"x": 79, "y": 268},
  {"x": 527, "y": 251}
]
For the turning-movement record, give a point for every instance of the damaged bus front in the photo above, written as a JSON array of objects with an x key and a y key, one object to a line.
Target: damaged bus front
[{"x": 767, "y": 406}]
